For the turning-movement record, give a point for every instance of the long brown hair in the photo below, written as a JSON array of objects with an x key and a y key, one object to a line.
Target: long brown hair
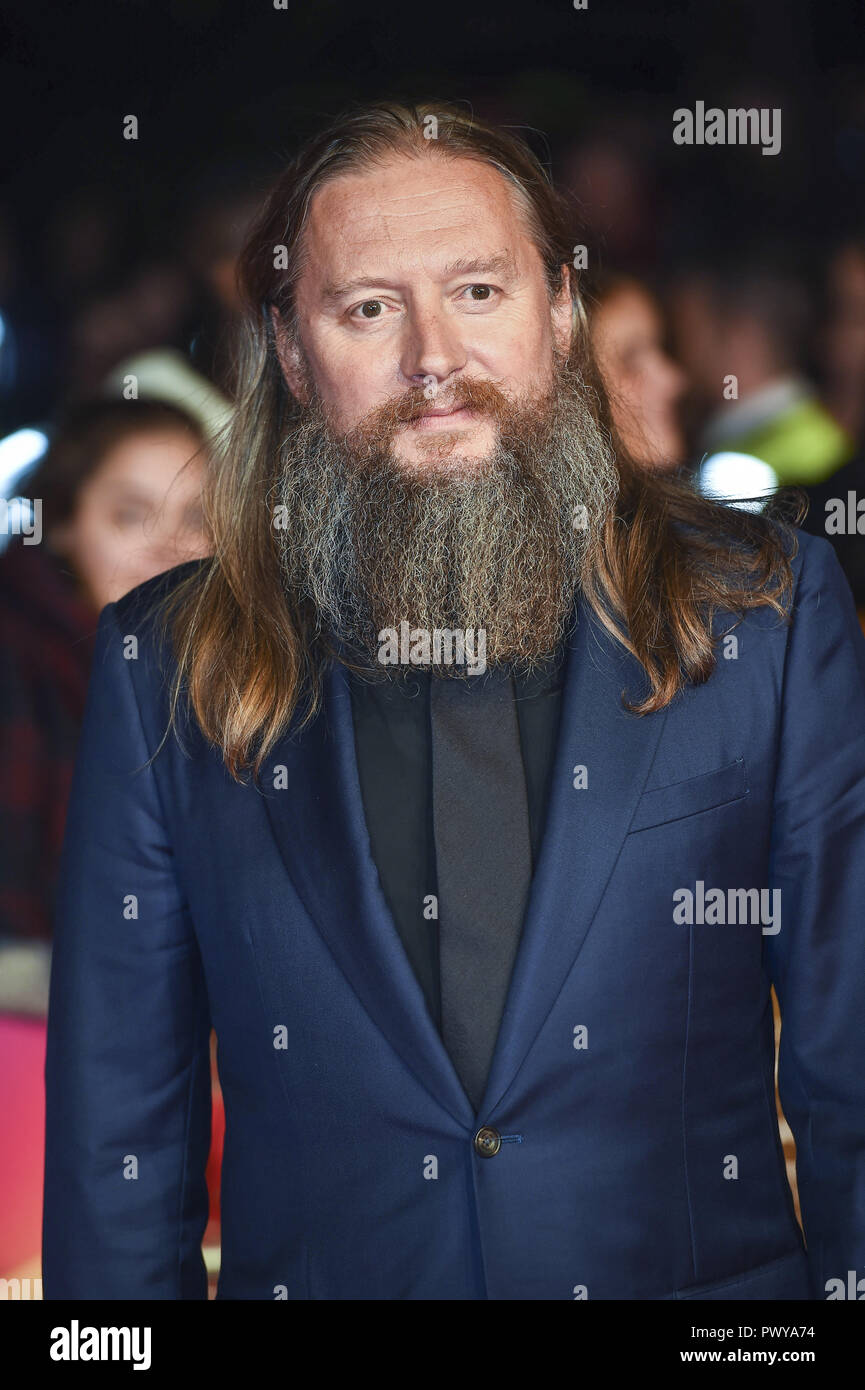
[{"x": 247, "y": 655}]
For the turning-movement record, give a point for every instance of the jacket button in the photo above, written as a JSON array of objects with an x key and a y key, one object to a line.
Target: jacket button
[{"x": 488, "y": 1141}]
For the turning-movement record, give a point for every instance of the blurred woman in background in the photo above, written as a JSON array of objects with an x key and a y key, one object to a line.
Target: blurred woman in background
[
  {"x": 120, "y": 498},
  {"x": 120, "y": 502},
  {"x": 644, "y": 383}
]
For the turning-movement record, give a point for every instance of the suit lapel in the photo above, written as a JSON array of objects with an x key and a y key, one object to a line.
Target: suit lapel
[
  {"x": 319, "y": 825},
  {"x": 583, "y": 833},
  {"x": 320, "y": 828}
]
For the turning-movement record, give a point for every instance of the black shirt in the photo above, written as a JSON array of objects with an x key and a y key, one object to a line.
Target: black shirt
[{"x": 394, "y": 759}]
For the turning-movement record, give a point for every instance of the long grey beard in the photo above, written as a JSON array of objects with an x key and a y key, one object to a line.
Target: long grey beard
[{"x": 499, "y": 547}]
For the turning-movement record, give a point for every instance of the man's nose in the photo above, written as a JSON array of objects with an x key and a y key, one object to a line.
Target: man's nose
[{"x": 432, "y": 347}]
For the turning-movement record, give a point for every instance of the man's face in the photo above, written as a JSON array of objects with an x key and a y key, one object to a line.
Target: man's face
[{"x": 421, "y": 274}]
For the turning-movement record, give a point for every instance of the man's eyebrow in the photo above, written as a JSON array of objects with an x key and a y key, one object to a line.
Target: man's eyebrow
[{"x": 499, "y": 263}]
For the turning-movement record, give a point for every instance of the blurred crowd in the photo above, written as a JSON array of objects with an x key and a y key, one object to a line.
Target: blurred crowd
[{"x": 743, "y": 367}]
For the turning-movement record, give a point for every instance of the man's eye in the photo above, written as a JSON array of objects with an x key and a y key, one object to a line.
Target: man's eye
[
  {"x": 370, "y": 309},
  {"x": 480, "y": 293}
]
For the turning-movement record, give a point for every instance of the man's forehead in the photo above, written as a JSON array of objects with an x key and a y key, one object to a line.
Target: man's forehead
[{"x": 425, "y": 212}]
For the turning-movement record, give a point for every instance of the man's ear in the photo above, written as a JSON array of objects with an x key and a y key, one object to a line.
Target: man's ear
[
  {"x": 290, "y": 358},
  {"x": 563, "y": 315}
]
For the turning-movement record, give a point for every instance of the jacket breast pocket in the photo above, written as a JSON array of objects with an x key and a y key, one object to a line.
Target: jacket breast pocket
[{"x": 675, "y": 802}]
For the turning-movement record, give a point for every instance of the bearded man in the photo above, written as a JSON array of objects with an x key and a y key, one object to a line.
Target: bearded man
[{"x": 475, "y": 791}]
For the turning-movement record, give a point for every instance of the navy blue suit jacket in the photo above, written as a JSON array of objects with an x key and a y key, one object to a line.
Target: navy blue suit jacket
[{"x": 633, "y": 1077}]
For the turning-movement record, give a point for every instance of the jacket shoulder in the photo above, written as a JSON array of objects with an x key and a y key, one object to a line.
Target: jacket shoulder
[
  {"x": 141, "y": 614},
  {"x": 816, "y": 564},
  {"x": 138, "y": 608}
]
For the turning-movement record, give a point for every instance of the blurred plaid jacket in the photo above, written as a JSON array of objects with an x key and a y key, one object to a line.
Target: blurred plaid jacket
[{"x": 47, "y": 634}]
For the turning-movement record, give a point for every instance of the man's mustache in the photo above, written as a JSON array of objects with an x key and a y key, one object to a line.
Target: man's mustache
[{"x": 381, "y": 423}]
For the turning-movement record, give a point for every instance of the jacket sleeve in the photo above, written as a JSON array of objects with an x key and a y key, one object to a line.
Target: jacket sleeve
[
  {"x": 127, "y": 1069},
  {"x": 817, "y": 959}
]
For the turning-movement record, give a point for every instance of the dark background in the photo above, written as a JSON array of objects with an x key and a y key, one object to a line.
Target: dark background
[
  {"x": 223, "y": 89},
  {"x": 211, "y": 79}
]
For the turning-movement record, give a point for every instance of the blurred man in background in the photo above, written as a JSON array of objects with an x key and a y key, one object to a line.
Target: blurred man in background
[
  {"x": 742, "y": 330},
  {"x": 842, "y": 339},
  {"x": 838, "y": 503}
]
